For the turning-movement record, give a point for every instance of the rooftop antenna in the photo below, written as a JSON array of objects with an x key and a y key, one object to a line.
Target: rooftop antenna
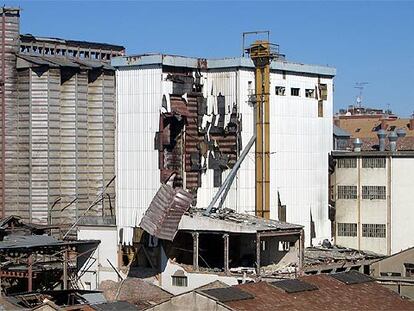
[{"x": 360, "y": 86}]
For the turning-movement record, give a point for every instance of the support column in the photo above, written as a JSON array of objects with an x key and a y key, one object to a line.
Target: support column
[
  {"x": 195, "y": 250},
  {"x": 226, "y": 252},
  {"x": 301, "y": 250},
  {"x": 258, "y": 254},
  {"x": 30, "y": 273},
  {"x": 65, "y": 269}
]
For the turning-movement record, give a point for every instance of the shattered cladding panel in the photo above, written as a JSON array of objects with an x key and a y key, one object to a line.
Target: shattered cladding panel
[{"x": 165, "y": 211}]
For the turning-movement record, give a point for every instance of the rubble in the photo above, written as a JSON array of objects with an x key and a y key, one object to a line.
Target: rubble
[{"x": 336, "y": 258}]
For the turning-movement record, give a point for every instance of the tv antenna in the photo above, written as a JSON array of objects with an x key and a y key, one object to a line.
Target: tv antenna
[{"x": 360, "y": 86}]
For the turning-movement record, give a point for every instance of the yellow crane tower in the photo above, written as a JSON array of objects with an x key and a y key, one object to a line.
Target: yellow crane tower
[{"x": 262, "y": 52}]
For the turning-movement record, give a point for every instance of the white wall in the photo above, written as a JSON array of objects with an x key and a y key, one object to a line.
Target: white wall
[
  {"x": 402, "y": 213},
  {"x": 299, "y": 144},
  {"x": 194, "y": 280},
  {"x": 100, "y": 270},
  {"x": 139, "y": 96}
]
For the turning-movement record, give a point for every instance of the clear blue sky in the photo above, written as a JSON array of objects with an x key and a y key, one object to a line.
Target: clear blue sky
[{"x": 366, "y": 41}]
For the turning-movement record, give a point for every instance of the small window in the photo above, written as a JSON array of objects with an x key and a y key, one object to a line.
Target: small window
[
  {"x": 323, "y": 89},
  {"x": 409, "y": 269},
  {"x": 294, "y": 91},
  {"x": 373, "y": 162},
  {"x": 310, "y": 93},
  {"x": 358, "y": 130},
  {"x": 347, "y": 192},
  {"x": 373, "y": 230},
  {"x": 346, "y": 163},
  {"x": 179, "y": 279},
  {"x": 347, "y": 229},
  {"x": 373, "y": 193},
  {"x": 280, "y": 90}
]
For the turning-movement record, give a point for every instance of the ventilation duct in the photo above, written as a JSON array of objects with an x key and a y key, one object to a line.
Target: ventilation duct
[
  {"x": 381, "y": 136},
  {"x": 357, "y": 144},
  {"x": 392, "y": 137}
]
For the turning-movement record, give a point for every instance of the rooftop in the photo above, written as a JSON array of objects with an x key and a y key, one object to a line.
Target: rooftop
[
  {"x": 29, "y": 38},
  {"x": 342, "y": 291},
  {"x": 227, "y": 220},
  {"x": 366, "y": 126},
  {"x": 234, "y": 62}
]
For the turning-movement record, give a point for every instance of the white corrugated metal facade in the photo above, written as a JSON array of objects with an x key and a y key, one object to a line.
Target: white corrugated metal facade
[
  {"x": 300, "y": 143},
  {"x": 139, "y": 94}
]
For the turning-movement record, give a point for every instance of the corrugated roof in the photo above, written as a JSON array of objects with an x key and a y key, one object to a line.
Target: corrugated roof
[
  {"x": 60, "y": 61},
  {"x": 330, "y": 295},
  {"x": 165, "y": 211},
  {"x": 231, "y": 62},
  {"x": 33, "y": 241},
  {"x": 28, "y": 38}
]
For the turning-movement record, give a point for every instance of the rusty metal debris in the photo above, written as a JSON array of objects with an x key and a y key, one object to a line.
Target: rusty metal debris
[{"x": 165, "y": 211}]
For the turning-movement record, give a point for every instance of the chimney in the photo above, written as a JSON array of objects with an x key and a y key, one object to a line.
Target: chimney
[
  {"x": 381, "y": 137},
  {"x": 412, "y": 123},
  {"x": 392, "y": 137},
  {"x": 401, "y": 132},
  {"x": 357, "y": 144}
]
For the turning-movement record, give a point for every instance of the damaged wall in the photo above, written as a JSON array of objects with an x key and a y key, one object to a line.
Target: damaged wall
[{"x": 300, "y": 126}]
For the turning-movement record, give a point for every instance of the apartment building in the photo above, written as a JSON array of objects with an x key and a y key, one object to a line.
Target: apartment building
[{"x": 373, "y": 199}]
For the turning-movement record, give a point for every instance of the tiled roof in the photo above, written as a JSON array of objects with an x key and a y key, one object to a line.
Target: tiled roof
[
  {"x": 135, "y": 291},
  {"x": 366, "y": 127},
  {"x": 331, "y": 294}
]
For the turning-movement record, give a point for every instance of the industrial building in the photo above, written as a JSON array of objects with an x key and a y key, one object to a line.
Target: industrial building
[
  {"x": 372, "y": 194},
  {"x": 195, "y": 116},
  {"x": 57, "y": 126}
]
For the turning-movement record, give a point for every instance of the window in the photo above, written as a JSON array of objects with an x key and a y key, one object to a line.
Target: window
[
  {"x": 373, "y": 162},
  {"x": 310, "y": 93},
  {"x": 358, "y": 130},
  {"x": 373, "y": 230},
  {"x": 280, "y": 90},
  {"x": 320, "y": 108},
  {"x": 294, "y": 91},
  {"x": 346, "y": 163},
  {"x": 347, "y": 229},
  {"x": 373, "y": 192},
  {"x": 409, "y": 269},
  {"x": 347, "y": 192},
  {"x": 179, "y": 279},
  {"x": 323, "y": 90}
]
